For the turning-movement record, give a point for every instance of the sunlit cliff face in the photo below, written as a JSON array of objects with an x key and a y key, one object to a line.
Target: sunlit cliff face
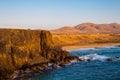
[{"x": 26, "y": 47}]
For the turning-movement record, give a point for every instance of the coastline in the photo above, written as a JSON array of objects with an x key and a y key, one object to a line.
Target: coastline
[
  {"x": 74, "y": 47},
  {"x": 29, "y": 53}
]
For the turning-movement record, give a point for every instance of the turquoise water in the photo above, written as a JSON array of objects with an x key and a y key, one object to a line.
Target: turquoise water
[{"x": 97, "y": 69}]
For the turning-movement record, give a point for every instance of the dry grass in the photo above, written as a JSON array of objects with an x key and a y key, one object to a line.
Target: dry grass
[{"x": 83, "y": 39}]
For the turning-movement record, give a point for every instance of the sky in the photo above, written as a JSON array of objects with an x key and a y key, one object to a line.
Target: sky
[{"x": 53, "y": 14}]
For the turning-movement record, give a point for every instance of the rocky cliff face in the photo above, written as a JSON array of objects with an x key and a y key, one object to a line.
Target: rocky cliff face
[{"x": 21, "y": 47}]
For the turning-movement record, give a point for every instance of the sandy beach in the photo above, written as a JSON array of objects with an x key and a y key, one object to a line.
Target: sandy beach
[{"x": 73, "y": 47}]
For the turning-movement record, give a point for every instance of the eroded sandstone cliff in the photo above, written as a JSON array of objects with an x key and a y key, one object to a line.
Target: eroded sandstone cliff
[{"x": 19, "y": 48}]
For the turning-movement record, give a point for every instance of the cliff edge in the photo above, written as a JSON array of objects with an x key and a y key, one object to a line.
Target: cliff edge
[{"x": 22, "y": 49}]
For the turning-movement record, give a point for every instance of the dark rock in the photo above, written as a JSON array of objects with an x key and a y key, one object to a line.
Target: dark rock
[
  {"x": 109, "y": 59},
  {"x": 80, "y": 59},
  {"x": 27, "y": 69},
  {"x": 116, "y": 57},
  {"x": 89, "y": 59},
  {"x": 40, "y": 68},
  {"x": 118, "y": 45},
  {"x": 33, "y": 68},
  {"x": 62, "y": 65},
  {"x": 20, "y": 72},
  {"x": 54, "y": 66}
]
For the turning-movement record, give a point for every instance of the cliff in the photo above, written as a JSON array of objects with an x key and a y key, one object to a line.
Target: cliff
[{"x": 20, "y": 49}]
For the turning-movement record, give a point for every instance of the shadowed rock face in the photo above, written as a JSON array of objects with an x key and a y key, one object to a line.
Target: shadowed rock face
[
  {"x": 21, "y": 47},
  {"x": 46, "y": 42}
]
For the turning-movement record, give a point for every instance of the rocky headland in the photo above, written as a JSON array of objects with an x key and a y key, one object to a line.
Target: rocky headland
[{"x": 29, "y": 52}]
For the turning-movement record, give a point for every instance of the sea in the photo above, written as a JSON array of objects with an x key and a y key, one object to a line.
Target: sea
[{"x": 104, "y": 65}]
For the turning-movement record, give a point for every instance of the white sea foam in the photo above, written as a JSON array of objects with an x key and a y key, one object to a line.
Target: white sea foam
[
  {"x": 94, "y": 57},
  {"x": 73, "y": 61},
  {"x": 82, "y": 49},
  {"x": 49, "y": 64}
]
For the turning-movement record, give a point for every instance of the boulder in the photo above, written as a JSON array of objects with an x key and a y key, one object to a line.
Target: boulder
[
  {"x": 117, "y": 57},
  {"x": 54, "y": 66},
  {"x": 89, "y": 59},
  {"x": 80, "y": 59},
  {"x": 62, "y": 65},
  {"x": 109, "y": 59}
]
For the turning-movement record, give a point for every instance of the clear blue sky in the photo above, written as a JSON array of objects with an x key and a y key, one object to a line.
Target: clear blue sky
[{"x": 52, "y": 14}]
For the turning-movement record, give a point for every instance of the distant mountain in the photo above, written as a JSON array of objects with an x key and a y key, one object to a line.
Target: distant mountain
[
  {"x": 89, "y": 28},
  {"x": 98, "y": 28},
  {"x": 66, "y": 30}
]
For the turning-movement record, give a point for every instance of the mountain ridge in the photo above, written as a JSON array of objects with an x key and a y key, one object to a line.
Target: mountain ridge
[{"x": 88, "y": 28}]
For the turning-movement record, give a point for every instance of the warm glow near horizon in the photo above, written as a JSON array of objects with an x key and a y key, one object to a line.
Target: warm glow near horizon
[{"x": 52, "y": 14}]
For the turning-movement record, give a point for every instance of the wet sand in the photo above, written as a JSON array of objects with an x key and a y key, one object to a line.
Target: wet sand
[{"x": 73, "y": 47}]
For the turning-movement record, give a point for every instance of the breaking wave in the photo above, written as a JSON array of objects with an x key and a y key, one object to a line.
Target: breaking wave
[{"x": 94, "y": 57}]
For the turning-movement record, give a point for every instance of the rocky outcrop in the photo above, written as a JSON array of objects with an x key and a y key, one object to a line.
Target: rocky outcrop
[{"x": 25, "y": 49}]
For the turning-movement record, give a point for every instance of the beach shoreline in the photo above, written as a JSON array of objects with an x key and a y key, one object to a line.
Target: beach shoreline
[{"x": 79, "y": 46}]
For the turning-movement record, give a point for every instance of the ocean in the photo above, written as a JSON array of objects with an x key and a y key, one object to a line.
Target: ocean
[{"x": 105, "y": 65}]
